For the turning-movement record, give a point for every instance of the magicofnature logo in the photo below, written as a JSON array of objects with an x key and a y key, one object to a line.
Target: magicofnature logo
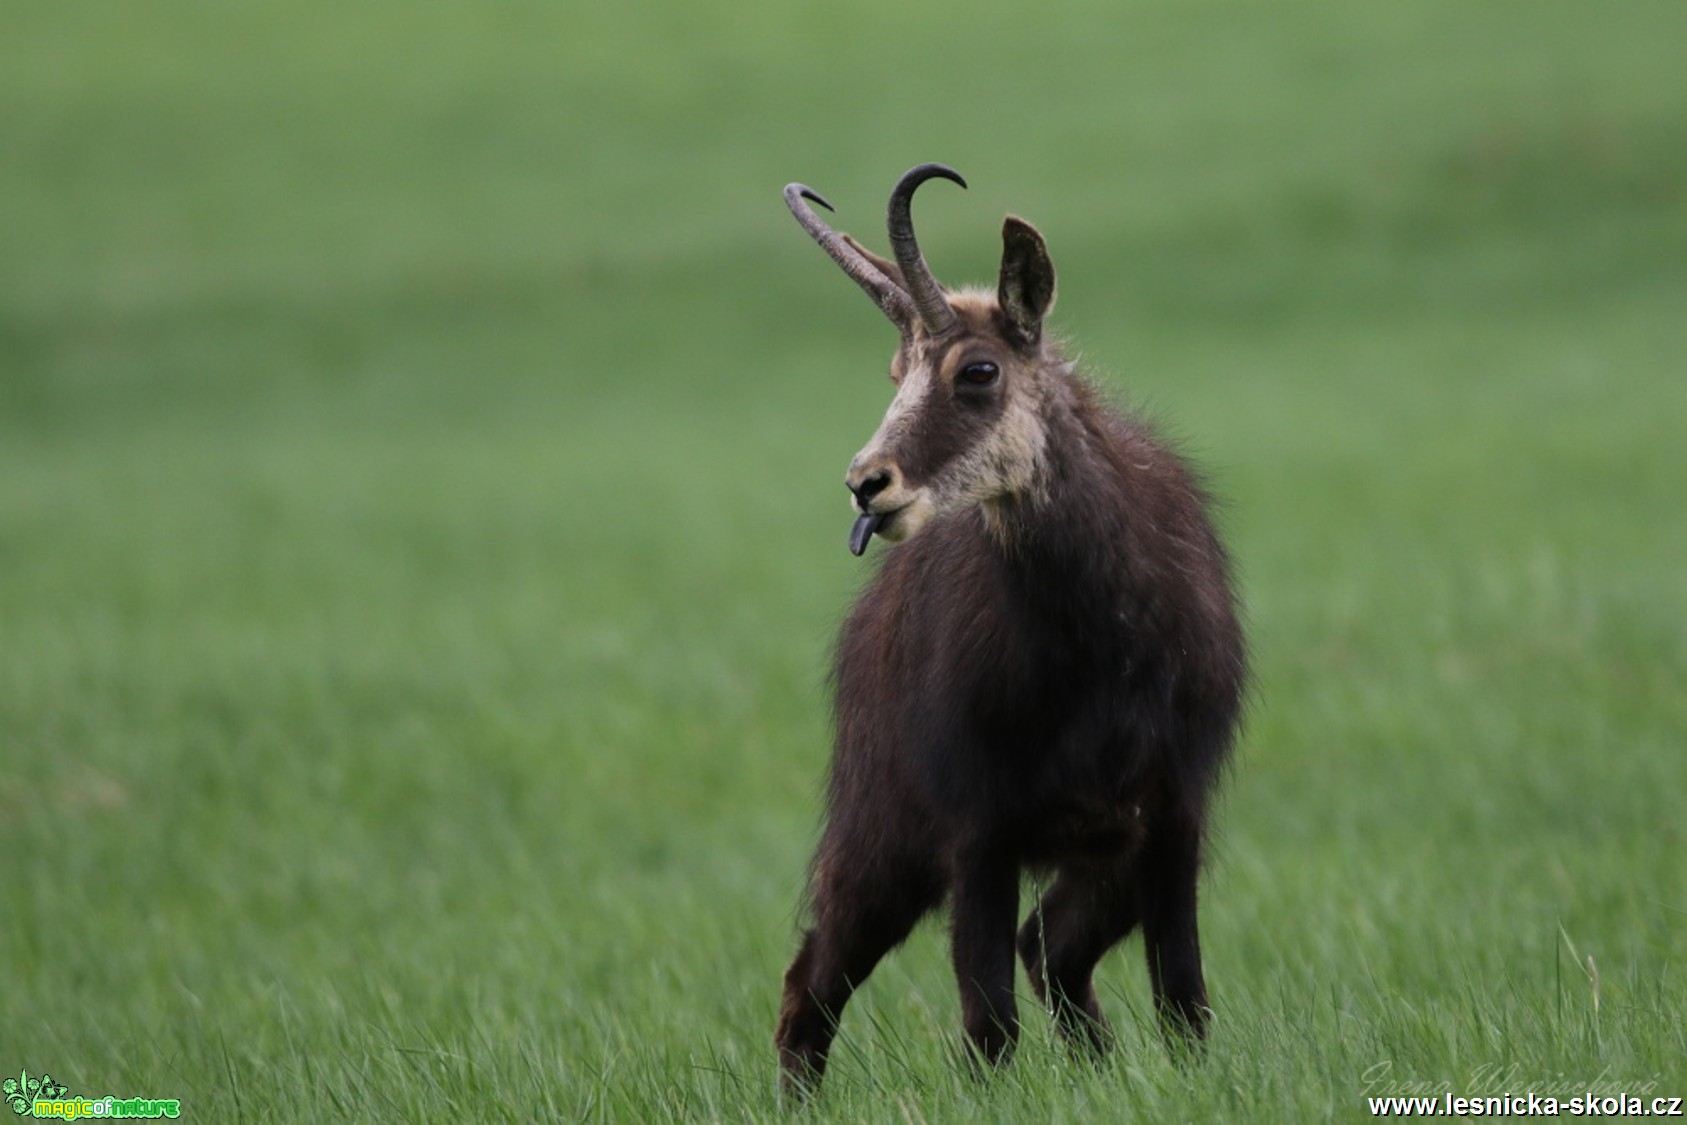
[{"x": 42, "y": 1097}]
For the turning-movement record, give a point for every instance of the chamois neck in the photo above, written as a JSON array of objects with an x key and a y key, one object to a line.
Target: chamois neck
[{"x": 1073, "y": 503}]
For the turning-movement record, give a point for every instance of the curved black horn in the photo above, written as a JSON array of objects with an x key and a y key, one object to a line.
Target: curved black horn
[
  {"x": 922, "y": 287},
  {"x": 885, "y": 292}
]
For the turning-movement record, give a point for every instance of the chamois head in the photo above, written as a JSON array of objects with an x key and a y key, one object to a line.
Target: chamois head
[{"x": 971, "y": 373}]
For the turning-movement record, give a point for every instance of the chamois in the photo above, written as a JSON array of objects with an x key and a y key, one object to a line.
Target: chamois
[{"x": 1046, "y": 673}]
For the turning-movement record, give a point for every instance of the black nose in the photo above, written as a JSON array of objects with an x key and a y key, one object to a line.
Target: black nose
[{"x": 870, "y": 486}]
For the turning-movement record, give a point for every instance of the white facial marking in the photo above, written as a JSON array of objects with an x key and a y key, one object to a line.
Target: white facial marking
[{"x": 899, "y": 416}]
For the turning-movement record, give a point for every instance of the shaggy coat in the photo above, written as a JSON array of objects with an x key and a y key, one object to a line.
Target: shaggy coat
[{"x": 1045, "y": 674}]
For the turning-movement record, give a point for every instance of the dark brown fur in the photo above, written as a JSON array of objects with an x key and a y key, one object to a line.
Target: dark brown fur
[{"x": 1051, "y": 686}]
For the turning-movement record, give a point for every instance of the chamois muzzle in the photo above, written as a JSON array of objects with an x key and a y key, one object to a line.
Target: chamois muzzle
[
  {"x": 869, "y": 486},
  {"x": 869, "y": 521}
]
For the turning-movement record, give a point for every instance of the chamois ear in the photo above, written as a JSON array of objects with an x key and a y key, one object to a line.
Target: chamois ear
[
  {"x": 1026, "y": 289},
  {"x": 884, "y": 265}
]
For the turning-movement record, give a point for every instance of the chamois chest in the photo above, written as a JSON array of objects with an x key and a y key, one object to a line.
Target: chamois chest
[{"x": 1027, "y": 713}]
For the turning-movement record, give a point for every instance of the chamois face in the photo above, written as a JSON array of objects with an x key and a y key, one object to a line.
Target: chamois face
[
  {"x": 965, "y": 426},
  {"x": 967, "y": 423}
]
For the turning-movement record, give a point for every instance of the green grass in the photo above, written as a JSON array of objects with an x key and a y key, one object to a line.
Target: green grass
[{"x": 421, "y": 536}]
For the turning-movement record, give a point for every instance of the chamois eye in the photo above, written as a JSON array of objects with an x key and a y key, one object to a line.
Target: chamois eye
[{"x": 979, "y": 374}]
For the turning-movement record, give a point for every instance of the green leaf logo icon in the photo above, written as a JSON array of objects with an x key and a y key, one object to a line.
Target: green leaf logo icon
[{"x": 21, "y": 1091}]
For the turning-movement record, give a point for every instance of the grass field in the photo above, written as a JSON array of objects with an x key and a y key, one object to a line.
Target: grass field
[{"x": 421, "y": 535}]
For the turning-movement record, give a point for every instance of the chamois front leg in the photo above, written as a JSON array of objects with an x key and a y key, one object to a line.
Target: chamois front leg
[
  {"x": 1169, "y": 872},
  {"x": 986, "y": 901},
  {"x": 864, "y": 906}
]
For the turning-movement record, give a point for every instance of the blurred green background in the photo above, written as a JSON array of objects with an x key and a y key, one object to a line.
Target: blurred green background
[{"x": 421, "y": 534}]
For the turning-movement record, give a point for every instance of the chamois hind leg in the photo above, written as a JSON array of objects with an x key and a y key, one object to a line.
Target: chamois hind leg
[
  {"x": 860, "y": 914},
  {"x": 1090, "y": 908},
  {"x": 1168, "y": 871}
]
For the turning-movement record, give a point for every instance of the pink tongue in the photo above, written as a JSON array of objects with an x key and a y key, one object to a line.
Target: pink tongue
[{"x": 863, "y": 531}]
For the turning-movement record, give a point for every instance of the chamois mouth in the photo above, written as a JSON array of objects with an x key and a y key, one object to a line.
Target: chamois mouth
[{"x": 866, "y": 526}]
